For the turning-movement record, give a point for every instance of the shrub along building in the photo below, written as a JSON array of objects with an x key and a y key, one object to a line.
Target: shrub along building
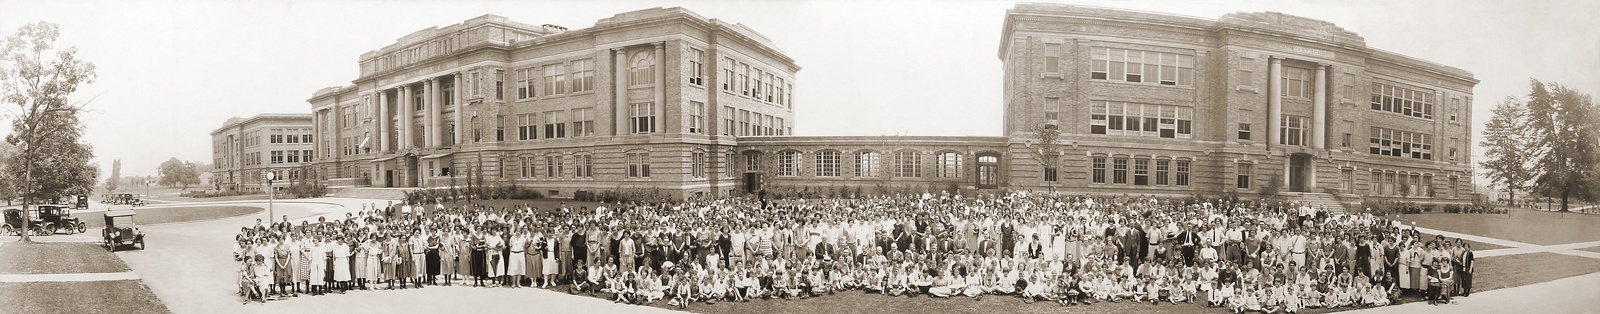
[{"x": 1138, "y": 103}]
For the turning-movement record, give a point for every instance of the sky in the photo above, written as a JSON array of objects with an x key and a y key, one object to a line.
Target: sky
[{"x": 170, "y": 72}]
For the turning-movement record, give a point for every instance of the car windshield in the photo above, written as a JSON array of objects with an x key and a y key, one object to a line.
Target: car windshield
[{"x": 122, "y": 222}]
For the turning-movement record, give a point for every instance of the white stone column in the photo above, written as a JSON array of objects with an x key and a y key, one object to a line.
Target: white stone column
[
  {"x": 405, "y": 111},
  {"x": 660, "y": 87},
  {"x": 1319, "y": 110},
  {"x": 434, "y": 112},
  {"x": 455, "y": 103},
  {"x": 1274, "y": 101},
  {"x": 383, "y": 121},
  {"x": 620, "y": 114}
]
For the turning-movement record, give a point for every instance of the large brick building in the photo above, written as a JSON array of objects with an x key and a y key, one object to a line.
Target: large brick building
[
  {"x": 245, "y": 147},
  {"x": 1142, "y": 103},
  {"x": 645, "y": 99},
  {"x": 1147, "y": 103}
]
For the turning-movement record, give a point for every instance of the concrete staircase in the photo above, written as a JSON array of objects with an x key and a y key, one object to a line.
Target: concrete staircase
[
  {"x": 388, "y": 194},
  {"x": 1321, "y": 201}
]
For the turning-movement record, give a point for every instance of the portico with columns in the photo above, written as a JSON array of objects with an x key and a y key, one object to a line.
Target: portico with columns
[{"x": 1301, "y": 145}]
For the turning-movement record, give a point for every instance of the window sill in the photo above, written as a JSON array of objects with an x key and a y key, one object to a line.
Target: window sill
[{"x": 1186, "y": 87}]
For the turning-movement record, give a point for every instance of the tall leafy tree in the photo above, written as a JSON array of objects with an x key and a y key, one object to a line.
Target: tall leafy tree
[
  {"x": 116, "y": 176},
  {"x": 1510, "y": 148},
  {"x": 37, "y": 77},
  {"x": 1564, "y": 121},
  {"x": 176, "y": 173},
  {"x": 1049, "y": 152}
]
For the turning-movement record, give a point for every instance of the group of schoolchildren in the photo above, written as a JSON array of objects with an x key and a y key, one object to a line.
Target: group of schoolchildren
[{"x": 1240, "y": 255}]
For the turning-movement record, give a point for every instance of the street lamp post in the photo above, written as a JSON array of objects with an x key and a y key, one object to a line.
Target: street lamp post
[
  {"x": 271, "y": 193},
  {"x": 147, "y": 188}
]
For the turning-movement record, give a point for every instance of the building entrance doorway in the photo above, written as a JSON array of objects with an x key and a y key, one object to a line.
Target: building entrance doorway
[
  {"x": 1300, "y": 172},
  {"x": 411, "y": 171},
  {"x": 988, "y": 169},
  {"x": 752, "y": 182},
  {"x": 388, "y": 178}
]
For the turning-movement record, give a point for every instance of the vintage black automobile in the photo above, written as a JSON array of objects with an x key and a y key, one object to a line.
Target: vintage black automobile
[
  {"x": 13, "y": 223},
  {"x": 121, "y": 230},
  {"x": 57, "y": 218}
]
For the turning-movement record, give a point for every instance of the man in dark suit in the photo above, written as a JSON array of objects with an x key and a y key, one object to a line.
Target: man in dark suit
[{"x": 1465, "y": 269}]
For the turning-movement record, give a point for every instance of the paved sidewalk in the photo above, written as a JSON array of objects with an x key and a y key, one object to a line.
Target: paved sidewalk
[
  {"x": 69, "y": 277},
  {"x": 1580, "y": 294}
]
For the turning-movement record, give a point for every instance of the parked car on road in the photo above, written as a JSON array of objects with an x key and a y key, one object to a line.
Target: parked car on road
[{"x": 121, "y": 230}]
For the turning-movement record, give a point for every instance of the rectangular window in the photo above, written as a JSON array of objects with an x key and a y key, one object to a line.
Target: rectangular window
[
  {"x": 697, "y": 59},
  {"x": 949, "y": 165},
  {"x": 744, "y": 122},
  {"x": 1296, "y": 82},
  {"x": 277, "y": 157},
  {"x": 582, "y": 122},
  {"x": 1098, "y": 170},
  {"x": 499, "y": 86},
  {"x": 907, "y": 164},
  {"x": 526, "y": 126},
  {"x": 727, "y": 75},
  {"x": 638, "y": 165},
  {"x": 868, "y": 165},
  {"x": 1347, "y": 180},
  {"x": 582, "y": 75},
  {"x": 744, "y": 79},
  {"x": 555, "y": 79},
  {"x": 305, "y": 156},
  {"x": 827, "y": 163},
  {"x": 1398, "y": 143},
  {"x": 1243, "y": 178},
  {"x": 1052, "y": 106},
  {"x": 555, "y": 124},
  {"x": 697, "y": 164},
  {"x": 472, "y": 83},
  {"x": 550, "y": 170},
  {"x": 292, "y": 156},
  {"x": 1052, "y": 59},
  {"x": 1050, "y": 174},
  {"x": 525, "y": 83},
  {"x": 643, "y": 118},
  {"x": 583, "y": 166},
  {"x": 727, "y": 120},
  {"x": 752, "y": 162},
  {"x": 1162, "y": 169},
  {"x": 527, "y": 169},
  {"x": 788, "y": 163},
  {"x": 1345, "y": 141},
  {"x": 697, "y": 117},
  {"x": 1134, "y": 119},
  {"x": 1182, "y": 176},
  {"x": 1119, "y": 170},
  {"x": 1402, "y": 100},
  {"x": 1295, "y": 130},
  {"x": 1136, "y": 66},
  {"x": 1141, "y": 171}
]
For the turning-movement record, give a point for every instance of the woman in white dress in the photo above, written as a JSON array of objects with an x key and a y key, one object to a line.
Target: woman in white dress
[
  {"x": 549, "y": 267},
  {"x": 341, "y": 262},
  {"x": 516, "y": 264}
]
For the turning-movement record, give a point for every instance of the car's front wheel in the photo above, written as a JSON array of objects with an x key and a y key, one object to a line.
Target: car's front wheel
[{"x": 81, "y": 227}]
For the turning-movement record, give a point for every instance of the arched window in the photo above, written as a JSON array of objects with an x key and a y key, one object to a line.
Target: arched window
[
  {"x": 788, "y": 163},
  {"x": 949, "y": 165},
  {"x": 642, "y": 68},
  {"x": 827, "y": 163},
  {"x": 907, "y": 164},
  {"x": 869, "y": 164}
]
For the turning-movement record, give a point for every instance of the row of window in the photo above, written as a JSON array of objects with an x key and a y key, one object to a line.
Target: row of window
[
  {"x": 1137, "y": 66},
  {"x": 752, "y": 82},
  {"x": 290, "y": 136},
  {"x": 290, "y": 156},
  {"x": 555, "y": 124},
  {"x": 1135, "y": 119},
  {"x": 740, "y": 122},
  {"x": 555, "y": 166},
  {"x": 1402, "y": 100},
  {"x": 556, "y": 79},
  {"x": 1399, "y": 143},
  {"x": 903, "y": 164},
  {"x": 1167, "y": 172}
]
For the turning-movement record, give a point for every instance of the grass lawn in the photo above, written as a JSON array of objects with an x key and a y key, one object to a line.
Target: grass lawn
[
  {"x": 1523, "y": 269},
  {"x": 120, "y": 296},
  {"x": 57, "y": 258},
  {"x": 1476, "y": 246},
  {"x": 150, "y": 216},
  {"x": 1527, "y": 226}
]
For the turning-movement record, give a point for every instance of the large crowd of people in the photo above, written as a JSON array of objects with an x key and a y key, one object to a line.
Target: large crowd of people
[{"x": 1240, "y": 256}]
